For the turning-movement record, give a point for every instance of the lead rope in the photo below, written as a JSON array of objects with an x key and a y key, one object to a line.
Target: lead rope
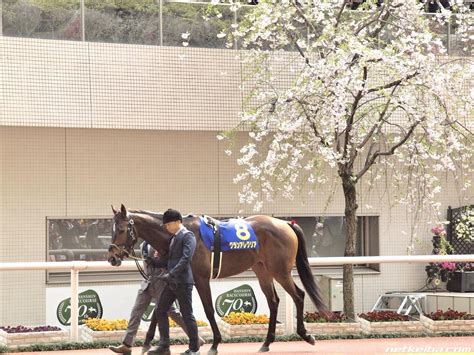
[
  {"x": 139, "y": 266},
  {"x": 131, "y": 235}
]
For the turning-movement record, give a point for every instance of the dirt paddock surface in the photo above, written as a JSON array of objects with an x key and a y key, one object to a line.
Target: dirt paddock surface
[{"x": 426, "y": 345}]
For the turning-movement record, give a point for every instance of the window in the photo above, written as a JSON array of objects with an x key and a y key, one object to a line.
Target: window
[
  {"x": 85, "y": 239},
  {"x": 78, "y": 239},
  {"x": 326, "y": 236},
  {"x": 88, "y": 239}
]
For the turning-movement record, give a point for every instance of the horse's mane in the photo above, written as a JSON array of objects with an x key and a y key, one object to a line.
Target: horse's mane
[
  {"x": 158, "y": 215},
  {"x": 155, "y": 215}
]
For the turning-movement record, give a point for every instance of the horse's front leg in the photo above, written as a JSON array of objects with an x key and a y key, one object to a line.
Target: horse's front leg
[{"x": 204, "y": 289}]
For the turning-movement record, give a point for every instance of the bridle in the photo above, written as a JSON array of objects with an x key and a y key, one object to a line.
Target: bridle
[{"x": 129, "y": 245}]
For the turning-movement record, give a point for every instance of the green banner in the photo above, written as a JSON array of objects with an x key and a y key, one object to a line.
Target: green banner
[
  {"x": 89, "y": 307},
  {"x": 148, "y": 312},
  {"x": 239, "y": 299}
]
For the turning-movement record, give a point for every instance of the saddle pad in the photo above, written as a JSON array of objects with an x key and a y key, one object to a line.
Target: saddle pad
[{"x": 235, "y": 234}]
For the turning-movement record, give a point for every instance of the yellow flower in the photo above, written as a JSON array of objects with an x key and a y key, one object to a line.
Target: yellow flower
[
  {"x": 236, "y": 318},
  {"x": 173, "y": 324},
  {"x": 106, "y": 325}
]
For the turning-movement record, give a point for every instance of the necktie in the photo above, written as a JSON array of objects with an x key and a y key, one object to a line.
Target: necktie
[{"x": 172, "y": 240}]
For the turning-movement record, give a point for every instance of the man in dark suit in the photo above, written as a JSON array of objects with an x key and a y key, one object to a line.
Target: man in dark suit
[
  {"x": 180, "y": 283},
  {"x": 150, "y": 289}
]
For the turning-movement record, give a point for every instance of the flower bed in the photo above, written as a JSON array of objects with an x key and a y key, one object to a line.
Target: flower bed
[
  {"x": 334, "y": 323},
  {"x": 247, "y": 324},
  {"x": 382, "y": 322},
  {"x": 20, "y": 335},
  {"x": 447, "y": 321},
  {"x": 95, "y": 330},
  {"x": 204, "y": 330}
]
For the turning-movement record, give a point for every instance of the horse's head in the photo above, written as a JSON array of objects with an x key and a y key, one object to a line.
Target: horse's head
[{"x": 123, "y": 237}]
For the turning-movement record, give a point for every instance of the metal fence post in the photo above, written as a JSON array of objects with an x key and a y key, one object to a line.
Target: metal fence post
[
  {"x": 161, "y": 22},
  {"x": 448, "y": 35},
  {"x": 83, "y": 21},
  {"x": 73, "y": 335}
]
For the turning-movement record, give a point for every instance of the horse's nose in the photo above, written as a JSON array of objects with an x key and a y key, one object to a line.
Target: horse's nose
[{"x": 114, "y": 261}]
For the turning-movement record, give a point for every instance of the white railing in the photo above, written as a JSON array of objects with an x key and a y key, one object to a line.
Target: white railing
[{"x": 76, "y": 266}]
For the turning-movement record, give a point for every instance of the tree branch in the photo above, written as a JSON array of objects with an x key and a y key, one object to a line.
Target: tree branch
[
  {"x": 350, "y": 119},
  {"x": 301, "y": 13},
  {"x": 312, "y": 123},
  {"x": 381, "y": 117},
  {"x": 300, "y": 50},
  {"x": 393, "y": 83},
  {"x": 370, "y": 161},
  {"x": 339, "y": 14},
  {"x": 373, "y": 20}
]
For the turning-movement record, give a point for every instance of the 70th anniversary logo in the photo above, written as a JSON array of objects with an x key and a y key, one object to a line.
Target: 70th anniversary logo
[
  {"x": 239, "y": 299},
  {"x": 89, "y": 307}
]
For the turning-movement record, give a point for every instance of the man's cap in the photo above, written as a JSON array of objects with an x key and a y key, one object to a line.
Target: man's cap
[{"x": 171, "y": 215}]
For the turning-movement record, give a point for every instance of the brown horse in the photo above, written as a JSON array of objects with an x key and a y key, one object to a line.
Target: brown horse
[{"x": 281, "y": 245}]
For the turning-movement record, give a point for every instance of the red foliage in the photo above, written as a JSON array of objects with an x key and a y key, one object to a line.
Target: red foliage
[
  {"x": 449, "y": 315},
  {"x": 384, "y": 316},
  {"x": 328, "y": 317}
]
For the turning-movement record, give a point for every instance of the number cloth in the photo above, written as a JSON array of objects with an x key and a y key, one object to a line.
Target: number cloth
[{"x": 235, "y": 234}]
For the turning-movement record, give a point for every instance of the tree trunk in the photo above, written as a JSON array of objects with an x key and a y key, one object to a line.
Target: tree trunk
[{"x": 351, "y": 238}]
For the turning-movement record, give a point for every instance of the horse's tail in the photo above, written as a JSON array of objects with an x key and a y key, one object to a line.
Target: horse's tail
[{"x": 304, "y": 270}]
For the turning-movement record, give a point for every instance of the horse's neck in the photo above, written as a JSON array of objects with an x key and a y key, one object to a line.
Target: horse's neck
[{"x": 149, "y": 230}]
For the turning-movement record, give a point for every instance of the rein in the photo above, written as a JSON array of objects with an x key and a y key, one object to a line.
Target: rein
[
  {"x": 131, "y": 236},
  {"x": 139, "y": 266},
  {"x": 130, "y": 243}
]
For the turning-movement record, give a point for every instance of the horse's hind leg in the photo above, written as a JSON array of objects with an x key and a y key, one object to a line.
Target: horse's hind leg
[
  {"x": 297, "y": 295},
  {"x": 204, "y": 289},
  {"x": 268, "y": 288}
]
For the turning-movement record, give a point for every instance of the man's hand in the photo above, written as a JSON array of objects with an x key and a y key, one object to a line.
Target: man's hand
[{"x": 165, "y": 277}]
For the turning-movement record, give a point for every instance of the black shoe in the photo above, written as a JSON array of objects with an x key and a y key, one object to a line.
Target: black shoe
[
  {"x": 122, "y": 349},
  {"x": 159, "y": 350}
]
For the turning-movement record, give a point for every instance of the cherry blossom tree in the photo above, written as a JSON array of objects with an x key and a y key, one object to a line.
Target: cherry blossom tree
[{"x": 370, "y": 91}]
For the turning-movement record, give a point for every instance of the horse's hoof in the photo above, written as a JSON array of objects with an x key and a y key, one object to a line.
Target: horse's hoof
[
  {"x": 310, "y": 339},
  {"x": 264, "y": 349},
  {"x": 212, "y": 351}
]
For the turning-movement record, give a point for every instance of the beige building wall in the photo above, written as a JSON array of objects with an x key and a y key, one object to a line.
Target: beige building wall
[
  {"x": 100, "y": 85},
  {"x": 54, "y": 172},
  {"x": 87, "y": 125}
]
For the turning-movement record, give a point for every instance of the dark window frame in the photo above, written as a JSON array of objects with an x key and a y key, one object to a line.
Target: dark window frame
[
  {"x": 68, "y": 254},
  {"x": 368, "y": 236}
]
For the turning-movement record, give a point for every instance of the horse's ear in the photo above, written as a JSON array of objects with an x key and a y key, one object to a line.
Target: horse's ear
[
  {"x": 113, "y": 209},
  {"x": 123, "y": 210}
]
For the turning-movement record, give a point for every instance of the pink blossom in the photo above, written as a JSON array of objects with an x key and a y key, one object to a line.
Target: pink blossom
[
  {"x": 438, "y": 230},
  {"x": 448, "y": 266}
]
